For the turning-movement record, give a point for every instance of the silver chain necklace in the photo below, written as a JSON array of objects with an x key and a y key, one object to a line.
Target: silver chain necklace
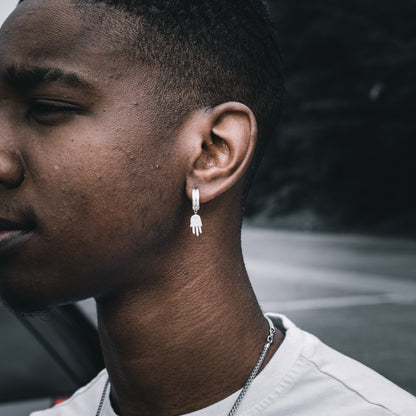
[{"x": 252, "y": 376}]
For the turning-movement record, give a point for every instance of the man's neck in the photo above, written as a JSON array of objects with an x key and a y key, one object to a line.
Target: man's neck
[{"x": 184, "y": 343}]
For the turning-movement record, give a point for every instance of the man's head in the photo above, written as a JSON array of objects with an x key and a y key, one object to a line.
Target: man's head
[
  {"x": 197, "y": 54},
  {"x": 111, "y": 112}
]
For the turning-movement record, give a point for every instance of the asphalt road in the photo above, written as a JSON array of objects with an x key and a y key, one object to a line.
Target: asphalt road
[{"x": 357, "y": 294}]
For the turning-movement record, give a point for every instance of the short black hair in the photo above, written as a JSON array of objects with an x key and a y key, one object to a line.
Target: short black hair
[{"x": 205, "y": 53}]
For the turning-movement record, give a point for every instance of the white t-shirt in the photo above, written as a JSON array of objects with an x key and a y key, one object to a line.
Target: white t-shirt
[{"x": 304, "y": 378}]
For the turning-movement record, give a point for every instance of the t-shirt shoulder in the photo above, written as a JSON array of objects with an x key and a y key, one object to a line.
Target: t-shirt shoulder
[
  {"x": 341, "y": 376},
  {"x": 304, "y": 378}
]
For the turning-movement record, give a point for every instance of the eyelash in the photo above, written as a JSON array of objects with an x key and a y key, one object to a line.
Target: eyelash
[{"x": 39, "y": 110}]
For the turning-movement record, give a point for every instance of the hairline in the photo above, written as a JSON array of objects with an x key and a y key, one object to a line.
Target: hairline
[{"x": 176, "y": 101}]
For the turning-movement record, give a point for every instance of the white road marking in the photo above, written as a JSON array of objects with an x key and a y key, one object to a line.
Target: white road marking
[
  {"x": 338, "y": 302},
  {"x": 336, "y": 278}
]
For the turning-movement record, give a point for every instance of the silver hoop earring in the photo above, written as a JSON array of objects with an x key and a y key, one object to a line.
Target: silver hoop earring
[{"x": 196, "y": 223}]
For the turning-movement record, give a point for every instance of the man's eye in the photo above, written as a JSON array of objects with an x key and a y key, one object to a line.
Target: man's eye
[{"x": 51, "y": 112}]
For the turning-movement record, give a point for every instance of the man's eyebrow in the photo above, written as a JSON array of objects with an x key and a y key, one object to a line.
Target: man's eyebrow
[{"x": 31, "y": 76}]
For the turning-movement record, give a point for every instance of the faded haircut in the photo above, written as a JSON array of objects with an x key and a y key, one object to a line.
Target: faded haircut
[{"x": 203, "y": 53}]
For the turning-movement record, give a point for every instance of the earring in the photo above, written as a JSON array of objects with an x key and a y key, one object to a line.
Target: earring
[{"x": 196, "y": 223}]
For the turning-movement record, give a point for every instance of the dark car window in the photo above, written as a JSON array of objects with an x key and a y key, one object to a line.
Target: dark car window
[{"x": 48, "y": 355}]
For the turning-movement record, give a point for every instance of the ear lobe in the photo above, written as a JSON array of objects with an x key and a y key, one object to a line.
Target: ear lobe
[{"x": 228, "y": 141}]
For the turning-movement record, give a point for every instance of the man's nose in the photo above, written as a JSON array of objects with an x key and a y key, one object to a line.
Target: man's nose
[{"x": 12, "y": 170}]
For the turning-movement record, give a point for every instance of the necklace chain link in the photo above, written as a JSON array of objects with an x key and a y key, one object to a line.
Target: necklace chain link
[{"x": 252, "y": 376}]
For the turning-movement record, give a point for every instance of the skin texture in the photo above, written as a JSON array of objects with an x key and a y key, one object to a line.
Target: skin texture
[{"x": 101, "y": 192}]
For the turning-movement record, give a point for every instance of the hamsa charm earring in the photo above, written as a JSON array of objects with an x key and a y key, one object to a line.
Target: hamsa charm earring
[{"x": 196, "y": 223}]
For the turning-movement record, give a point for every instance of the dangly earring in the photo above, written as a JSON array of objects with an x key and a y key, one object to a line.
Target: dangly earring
[{"x": 196, "y": 223}]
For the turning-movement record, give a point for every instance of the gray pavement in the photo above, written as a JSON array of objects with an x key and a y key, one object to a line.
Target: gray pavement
[{"x": 356, "y": 293}]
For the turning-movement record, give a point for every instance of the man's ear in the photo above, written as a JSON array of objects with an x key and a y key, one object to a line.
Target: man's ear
[{"x": 222, "y": 141}]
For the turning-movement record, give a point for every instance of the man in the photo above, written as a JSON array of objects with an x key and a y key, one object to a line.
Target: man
[{"x": 121, "y": 122}]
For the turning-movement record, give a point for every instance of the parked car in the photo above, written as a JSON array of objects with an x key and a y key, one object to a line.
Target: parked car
[{"x": 45, "y": 357}]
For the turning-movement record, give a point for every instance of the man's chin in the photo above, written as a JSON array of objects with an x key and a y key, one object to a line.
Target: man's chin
[{"x": 27, "y": 299}]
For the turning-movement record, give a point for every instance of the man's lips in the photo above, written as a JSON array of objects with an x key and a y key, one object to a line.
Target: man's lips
[
  {"x": 7, "y": 225},
  {"x": 5, "y": 235},
  {"x": 12, "y": 232}
]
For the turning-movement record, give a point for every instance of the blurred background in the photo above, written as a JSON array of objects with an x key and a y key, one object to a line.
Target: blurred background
[
  {"x": 344, "y": 158},
  {"x": 6, "y": 6},
  {"x": 330, "y": 234}
]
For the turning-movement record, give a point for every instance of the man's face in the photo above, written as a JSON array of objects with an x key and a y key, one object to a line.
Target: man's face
[{"x": 100, "y": 189}]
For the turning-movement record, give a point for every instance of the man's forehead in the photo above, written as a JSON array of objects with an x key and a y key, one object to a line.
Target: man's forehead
[
  {"x": 49, "y": 34},
  {"x": 55, "y": 13},
  {"x": 40, "y": 28}
]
